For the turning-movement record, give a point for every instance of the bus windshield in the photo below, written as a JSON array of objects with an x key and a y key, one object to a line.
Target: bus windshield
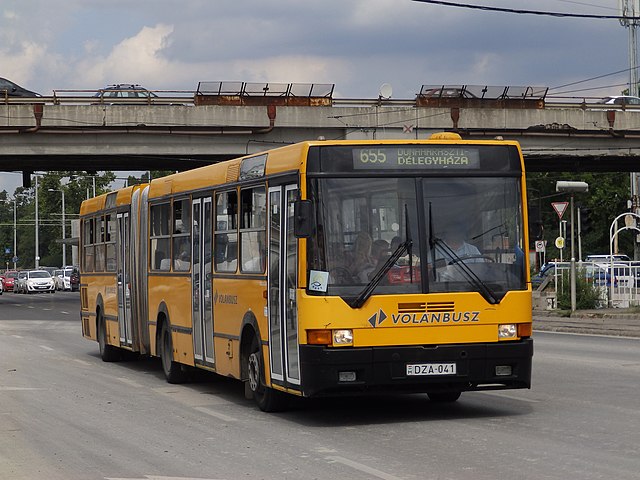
[{"x": 466, "y": 234}]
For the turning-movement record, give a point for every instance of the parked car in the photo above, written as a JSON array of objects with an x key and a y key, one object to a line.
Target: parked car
[
  {"x": 9, "y": 279},
  {"x": 120, "y": 93},
  {"x": 68, "y": 279},
  {"x": 57, "y": 279},
  {"x": 74, "y": 280},
  {"x": 620, "y": 100},
  {"x": 37, "y": 281},
  {"x": 19, "y": 282},
  {"x": 547, "y": 270},
  {"x": 603, "y": 258},
  {"x": 11, "y": 89}
]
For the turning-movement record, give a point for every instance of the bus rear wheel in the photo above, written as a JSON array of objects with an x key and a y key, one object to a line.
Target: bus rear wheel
[
  {"x": 173, "y": 371},
  {"x": 108, "y": 353},
  {"x": 267, "y": 399}
]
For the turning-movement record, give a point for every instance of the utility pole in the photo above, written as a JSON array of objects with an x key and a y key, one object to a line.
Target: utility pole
[{"x": 630, "y": 9}]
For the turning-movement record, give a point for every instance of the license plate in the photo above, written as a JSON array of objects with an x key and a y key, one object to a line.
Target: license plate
[{"x": 421, "y": 369}]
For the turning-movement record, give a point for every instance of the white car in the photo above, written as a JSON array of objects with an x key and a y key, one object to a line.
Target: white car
[
  {"x": 38, "y": 281},
  {"x": 620, "y": 100},
  {"x": 64, "y": 279}
]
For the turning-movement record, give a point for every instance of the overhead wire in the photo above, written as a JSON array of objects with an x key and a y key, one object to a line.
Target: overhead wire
[{"x": 527, "y": 12}]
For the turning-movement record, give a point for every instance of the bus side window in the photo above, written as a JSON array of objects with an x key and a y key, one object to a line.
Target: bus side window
[
  {"x": 159, "y": 242},
  {"x": 181, "y": 235},
  {"x": 226, "y": 233},
  {"x": 253, "y": 208}
]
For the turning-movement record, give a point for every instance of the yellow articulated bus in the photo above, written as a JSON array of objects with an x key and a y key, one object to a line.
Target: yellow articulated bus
[{"x": 321, "y": 268}]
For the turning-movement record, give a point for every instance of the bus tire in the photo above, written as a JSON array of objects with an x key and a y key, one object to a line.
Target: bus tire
[
  {"x": 267, "y": 399},
  {"x": 108, "y": 353},
  {"x": 173, "y": 371},
  {"x": 444, "y": 397}
]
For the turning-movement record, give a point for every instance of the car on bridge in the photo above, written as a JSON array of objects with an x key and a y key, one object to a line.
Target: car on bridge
[
  {"x": 124, "y": 94},
  {"x": 11, "y": 89},
  {"x": 620, "y": 100}
]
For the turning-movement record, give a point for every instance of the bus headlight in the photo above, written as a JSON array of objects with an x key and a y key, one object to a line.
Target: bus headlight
[
  {"x": 507, "y": 330},
  {"x": 343, "y": 337}
]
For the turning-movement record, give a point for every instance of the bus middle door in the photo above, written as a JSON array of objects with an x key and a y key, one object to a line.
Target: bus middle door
[
  {"x": 124, "y": 282},
  {"x": 202, "y": 311}
]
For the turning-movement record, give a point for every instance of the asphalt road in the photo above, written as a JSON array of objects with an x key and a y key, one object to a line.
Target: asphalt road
[{"x": 64, "y": 414}]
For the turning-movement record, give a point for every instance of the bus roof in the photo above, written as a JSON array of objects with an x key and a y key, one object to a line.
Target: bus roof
[{"x": 123, "y": 197}]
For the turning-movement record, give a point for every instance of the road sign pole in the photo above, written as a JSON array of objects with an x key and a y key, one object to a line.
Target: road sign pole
[{"x": 573, "y": 263}]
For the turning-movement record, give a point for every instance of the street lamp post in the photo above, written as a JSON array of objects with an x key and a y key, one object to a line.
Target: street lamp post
[
  {"x": 64, "y": 246},
  {"x": 37, "y": 246},
  {"x": 15, "y": 233},
  {"x": 572, "y": 187}
]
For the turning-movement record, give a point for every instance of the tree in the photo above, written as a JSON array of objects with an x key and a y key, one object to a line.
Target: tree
[
  {"x": 77, "y": 185},
  {"x": 607, "y": 198}
]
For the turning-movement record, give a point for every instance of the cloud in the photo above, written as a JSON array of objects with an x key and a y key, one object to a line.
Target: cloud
[{"x": 139, "y": 54}]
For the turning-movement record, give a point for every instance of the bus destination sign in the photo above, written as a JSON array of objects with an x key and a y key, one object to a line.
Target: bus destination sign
[{"x": 408, "y": 157}]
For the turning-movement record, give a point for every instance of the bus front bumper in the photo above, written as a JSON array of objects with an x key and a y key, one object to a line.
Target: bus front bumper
[{"x": 484, "y": 366}]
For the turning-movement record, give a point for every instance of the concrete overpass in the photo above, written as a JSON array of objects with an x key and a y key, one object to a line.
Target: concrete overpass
[{"x": 71, "y": 133}]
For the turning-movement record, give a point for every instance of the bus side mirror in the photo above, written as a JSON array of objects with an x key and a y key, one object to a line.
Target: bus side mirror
[{"x": 302, "y": 215}]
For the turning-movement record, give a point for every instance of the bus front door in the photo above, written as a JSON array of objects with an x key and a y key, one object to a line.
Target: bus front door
[
  {"x": 124, "y": 282},
  {"x": 202, "y": 312},
  {"x": 283, "y": 268}
]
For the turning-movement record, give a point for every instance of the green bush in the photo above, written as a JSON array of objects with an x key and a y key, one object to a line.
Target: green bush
[{"x": 587, "y": 295}]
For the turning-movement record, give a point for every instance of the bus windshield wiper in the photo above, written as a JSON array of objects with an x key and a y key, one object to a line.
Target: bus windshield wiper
[
  {"x": 472, "y": 278},
  {"x": 377, "y": 278},
  {"x": 405, "y": 246},
  {"x": 470, "y": 275}
]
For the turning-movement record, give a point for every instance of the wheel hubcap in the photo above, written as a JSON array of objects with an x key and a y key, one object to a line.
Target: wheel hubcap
[{"x": 254, "y": 372}]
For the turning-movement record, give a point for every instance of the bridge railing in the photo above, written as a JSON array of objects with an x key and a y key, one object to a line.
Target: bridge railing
[{"x": 515, "y": 97}]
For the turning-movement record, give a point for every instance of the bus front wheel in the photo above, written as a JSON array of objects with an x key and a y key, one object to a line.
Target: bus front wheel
[
  {"x": 172, "y": 370},
  {"x": 267, "y": 399}
]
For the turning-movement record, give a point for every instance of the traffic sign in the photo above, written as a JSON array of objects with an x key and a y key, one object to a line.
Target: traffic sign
[
  {"x": 560, "y": 242},
  {"x": 560, "y": 208},
  {"x": 540, "y": 246}
]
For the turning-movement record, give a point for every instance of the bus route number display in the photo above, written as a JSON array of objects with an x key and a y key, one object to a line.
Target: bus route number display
[{"x": 416, "y": 158}]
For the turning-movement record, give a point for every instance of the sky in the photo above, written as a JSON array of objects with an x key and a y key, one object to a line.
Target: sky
[{"x": 358, "y": 45}]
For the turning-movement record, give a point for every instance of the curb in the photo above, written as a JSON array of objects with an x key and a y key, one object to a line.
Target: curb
[{"x": 623, "y": 324}]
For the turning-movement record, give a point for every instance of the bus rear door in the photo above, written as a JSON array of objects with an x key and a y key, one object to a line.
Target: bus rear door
[{"x": 283, "y": 266}]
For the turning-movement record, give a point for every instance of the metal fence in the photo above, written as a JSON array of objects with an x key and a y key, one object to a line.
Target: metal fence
[{"x": 617, "y": 286}]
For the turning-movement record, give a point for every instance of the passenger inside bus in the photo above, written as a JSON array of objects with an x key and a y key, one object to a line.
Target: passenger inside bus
[
  {"x": 380, "y": 254},
  {"x": 362, "y": 262}
]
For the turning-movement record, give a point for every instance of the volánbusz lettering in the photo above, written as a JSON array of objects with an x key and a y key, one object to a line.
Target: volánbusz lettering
[{"x": 445, "y": 317}]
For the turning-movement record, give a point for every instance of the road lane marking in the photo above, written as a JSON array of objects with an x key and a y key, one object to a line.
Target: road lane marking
[
  {"x": 83, "y": 362},
  {"x": 363, "y": 468},
  {"x": 130, "y": 382},
  {"x": 18, "y": 389},
  {"x": 46, "y": 348},
  {"x": 17, "y": 336},
  {"x": 510, "y": 397},
  {"x": 218, "y": 415}
]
